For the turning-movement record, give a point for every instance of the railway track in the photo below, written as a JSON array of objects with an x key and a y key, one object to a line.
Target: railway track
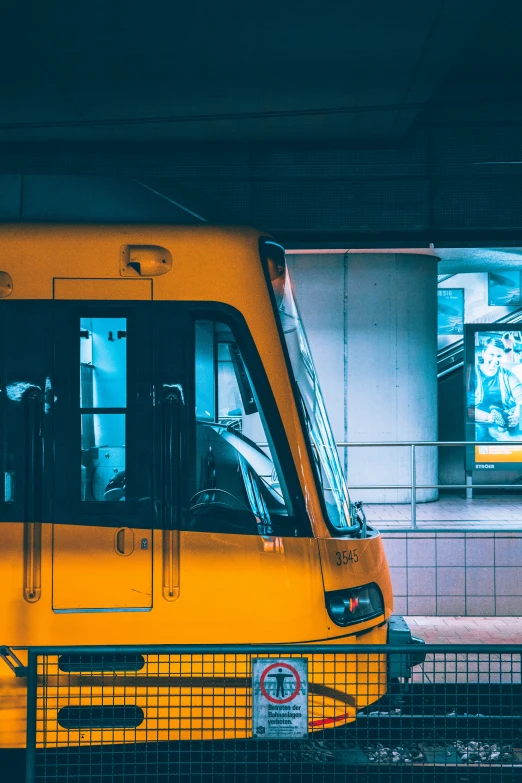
[
  {"x": 485, "y": 711},
  {"x": 379, "y": 748},
  {"x": 457, "y": 731},
  {"x": 383, "y": 760},
  {"x": 450, "y": 725}
]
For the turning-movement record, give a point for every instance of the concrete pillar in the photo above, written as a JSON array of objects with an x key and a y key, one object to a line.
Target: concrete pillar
[
  {"x": 391, "y": 345},
  {"x": 318, "y": 282}
]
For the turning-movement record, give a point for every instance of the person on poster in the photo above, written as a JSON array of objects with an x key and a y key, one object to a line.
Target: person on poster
[
  {"x": 496, "y": 396},
  {"x": 513, "y": 353}
]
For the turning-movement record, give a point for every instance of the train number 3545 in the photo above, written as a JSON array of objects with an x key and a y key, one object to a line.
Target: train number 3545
[{"x": 346, "y": 556}]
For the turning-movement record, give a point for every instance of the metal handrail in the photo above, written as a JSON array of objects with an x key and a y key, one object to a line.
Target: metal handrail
[
  {"x": 272, "y": 648},
  {"x": 413, "y": 486},
  {"x": 342, "y": 444}
]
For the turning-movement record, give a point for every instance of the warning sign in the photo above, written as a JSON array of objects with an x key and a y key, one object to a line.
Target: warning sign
[{"x": 279, "y": 697}]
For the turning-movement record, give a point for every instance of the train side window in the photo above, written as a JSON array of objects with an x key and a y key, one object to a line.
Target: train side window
[
  {"x": 103, "y": 403},
  {"x": 239, "y": 484}
]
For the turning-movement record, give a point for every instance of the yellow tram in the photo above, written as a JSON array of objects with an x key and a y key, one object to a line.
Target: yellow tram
[{"x": 170, "y": 474}]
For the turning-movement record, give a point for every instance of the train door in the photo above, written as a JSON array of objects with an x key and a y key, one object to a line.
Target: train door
[
  {"x": 104, "y": 451},
  {"x": 102, "y": 540},
  {"x": 92, "y": 391}
]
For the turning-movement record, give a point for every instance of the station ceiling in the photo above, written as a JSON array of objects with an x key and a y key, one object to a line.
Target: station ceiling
[
  {"x": 309, "y": 119},
  {"x": 228, "y": 71}
]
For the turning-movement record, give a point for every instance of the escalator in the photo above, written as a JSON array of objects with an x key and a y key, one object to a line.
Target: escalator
[{"x": 450, "y": 357}]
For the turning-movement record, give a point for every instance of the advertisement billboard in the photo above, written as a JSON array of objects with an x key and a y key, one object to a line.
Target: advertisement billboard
[
  {"x": 504, "y": 288},
  {"x": 493, "y": 360},
  {"x": 450, "y": 311}
]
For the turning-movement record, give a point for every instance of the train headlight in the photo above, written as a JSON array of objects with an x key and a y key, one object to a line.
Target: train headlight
[{"x": 354, "y": 605}]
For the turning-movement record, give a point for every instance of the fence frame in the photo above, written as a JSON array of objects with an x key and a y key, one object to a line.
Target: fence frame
[{"x": 281, "y": 650}]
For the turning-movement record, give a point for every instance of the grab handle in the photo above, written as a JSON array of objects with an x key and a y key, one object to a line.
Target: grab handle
[
  {"x": 124, "y": 541},
  {"x": 171, "y": 454},
  {"x": 33, "y": 495},
  {"x": 171, "y": 458}
]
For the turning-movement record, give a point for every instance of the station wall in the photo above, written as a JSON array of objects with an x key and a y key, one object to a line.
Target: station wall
[
  {"x": 443, "y": 573},
  {"x": 474, "y": 574},
  {"x": 371, "y": 320}
]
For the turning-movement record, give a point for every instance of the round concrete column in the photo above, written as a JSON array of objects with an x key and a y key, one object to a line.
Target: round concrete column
[{"x": 391, "y": 344}]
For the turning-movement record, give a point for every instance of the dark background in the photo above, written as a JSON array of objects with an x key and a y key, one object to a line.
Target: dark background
[{"x": 329, "y": 124}]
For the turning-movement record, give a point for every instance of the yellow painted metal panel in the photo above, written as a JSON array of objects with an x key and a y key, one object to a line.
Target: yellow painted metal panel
[
  {"x": 101, "y": 568},
  {"x": 102, "y": 289}
]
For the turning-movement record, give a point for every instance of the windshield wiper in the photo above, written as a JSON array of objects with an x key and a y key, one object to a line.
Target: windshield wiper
[{"x": 361, "y": 523}]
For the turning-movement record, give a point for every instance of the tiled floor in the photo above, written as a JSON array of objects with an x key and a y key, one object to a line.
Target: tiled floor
[
  {"x": 467, "y": 630},
  {"x": 449, "y": 510}
]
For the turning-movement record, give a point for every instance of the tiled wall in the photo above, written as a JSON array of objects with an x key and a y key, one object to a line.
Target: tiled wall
[{"x": 473, "y": 574}]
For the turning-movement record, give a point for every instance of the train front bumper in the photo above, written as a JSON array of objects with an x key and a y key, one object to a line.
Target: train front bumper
[{"x": 399, "y": 634}]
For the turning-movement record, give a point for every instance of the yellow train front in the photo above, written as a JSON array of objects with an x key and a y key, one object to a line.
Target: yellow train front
[{"x": 171, "y": 478}]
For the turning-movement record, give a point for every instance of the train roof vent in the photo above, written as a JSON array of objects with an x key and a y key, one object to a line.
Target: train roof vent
[{"x": 144, "y": 261}]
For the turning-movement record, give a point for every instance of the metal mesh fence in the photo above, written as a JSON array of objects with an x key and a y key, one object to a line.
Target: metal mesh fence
[{"x": 194, "y": 714}]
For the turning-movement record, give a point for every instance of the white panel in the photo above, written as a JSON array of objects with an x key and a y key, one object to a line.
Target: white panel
[
  {"x": 392, "y": 360},
  {"x": 319, "y": 289}
]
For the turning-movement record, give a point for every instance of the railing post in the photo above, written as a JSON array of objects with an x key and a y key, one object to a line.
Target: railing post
[
  {"x": 30, "y": 752},
  {"x": 413, "y": 471},
  {"x": 469, "y": 483}
]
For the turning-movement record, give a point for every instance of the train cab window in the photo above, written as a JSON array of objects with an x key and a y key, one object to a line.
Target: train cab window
[
  {"x": 239, "y": 485},
  {"x": 103, "y": 401},
  {"x": 323, "y": 448}
]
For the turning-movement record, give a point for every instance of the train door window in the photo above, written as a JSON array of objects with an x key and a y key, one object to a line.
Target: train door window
[
  {"x": 103, "y": 414},
  {"x": 103, "y": 457},
  {"x": 239, "y": 484},
  {"x": 103, "y": 400}
]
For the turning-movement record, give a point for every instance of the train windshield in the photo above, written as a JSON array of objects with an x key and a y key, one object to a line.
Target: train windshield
[
  {"x": 239, "y": 483},
  {"x": 334, "y": 489}
]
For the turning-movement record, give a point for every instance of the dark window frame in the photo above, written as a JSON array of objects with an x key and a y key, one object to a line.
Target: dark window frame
[
  {"x": 63, "y": 504},
  {"x": 336, "y": 532},
  {"x": 298, "y": 525},
  {"x": 31, "y": 367}
]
